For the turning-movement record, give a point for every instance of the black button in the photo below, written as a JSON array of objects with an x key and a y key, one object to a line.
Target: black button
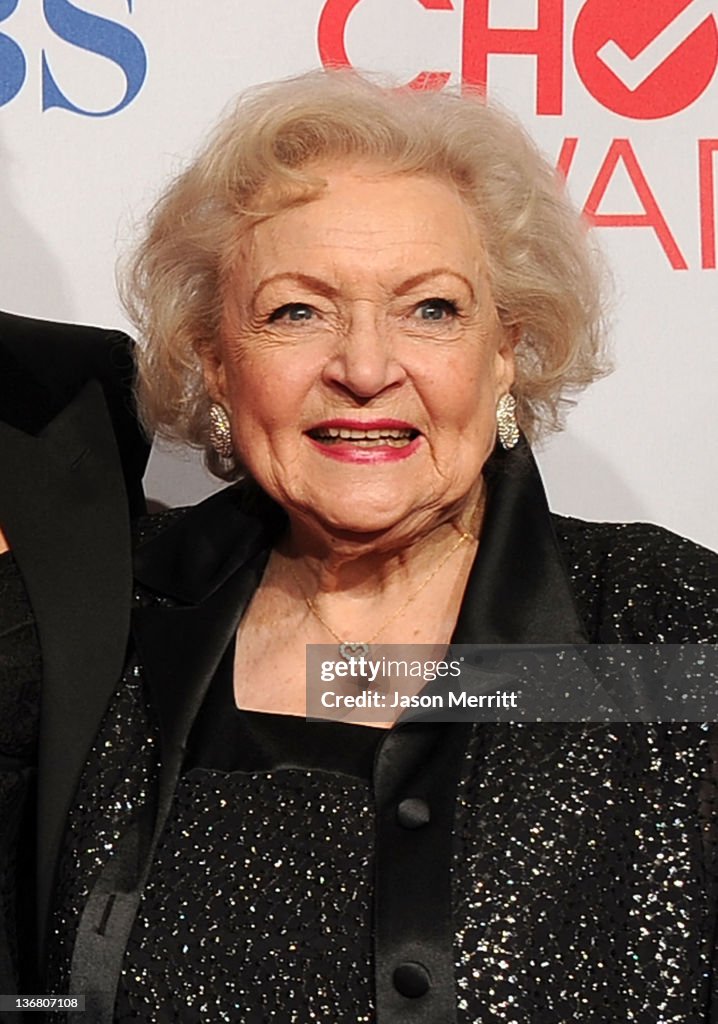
[
  {"x": 412, "y": 980},
  {"x": 413, "y": 813}
]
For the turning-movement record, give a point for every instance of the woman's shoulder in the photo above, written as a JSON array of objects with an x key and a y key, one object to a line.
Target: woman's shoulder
[
  {"x": 241, "y": 501},
  {"x": 640, "y": 583},
  {"x": 145, "y": 529},
  {"x": 611, "y": 540},
  {"x": 187, "y": 553}
]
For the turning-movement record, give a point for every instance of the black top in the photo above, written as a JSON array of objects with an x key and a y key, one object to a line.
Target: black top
[{"x": 227, "y": 739}]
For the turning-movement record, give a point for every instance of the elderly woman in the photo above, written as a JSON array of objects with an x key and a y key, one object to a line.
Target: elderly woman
[{"x": 357, "y": 297}]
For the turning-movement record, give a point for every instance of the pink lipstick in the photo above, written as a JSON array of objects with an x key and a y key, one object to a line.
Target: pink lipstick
[{"x": 365, "y": 441}]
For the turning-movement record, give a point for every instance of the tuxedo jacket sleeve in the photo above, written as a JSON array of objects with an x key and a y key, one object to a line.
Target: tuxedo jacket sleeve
[{"x": 72, "y": 456}]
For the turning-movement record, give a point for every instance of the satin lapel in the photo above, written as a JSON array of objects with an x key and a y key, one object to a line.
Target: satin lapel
[
  {"x": 180, "y": 648},
  {"x": 64, "y": 509},
  {"x": 209, "y": 562},
  {"x": 518, "y": 590}
]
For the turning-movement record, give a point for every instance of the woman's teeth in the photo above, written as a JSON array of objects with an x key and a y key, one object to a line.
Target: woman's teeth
[{"x": 364, "y": 438}]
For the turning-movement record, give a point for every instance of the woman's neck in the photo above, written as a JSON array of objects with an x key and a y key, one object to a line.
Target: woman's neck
[{"x": 333, "y": 563}]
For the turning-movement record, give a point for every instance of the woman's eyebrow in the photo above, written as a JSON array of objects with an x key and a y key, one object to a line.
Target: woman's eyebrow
[
  {"x": 314, "y": 284},
  {"x": 427, "y": 275}
]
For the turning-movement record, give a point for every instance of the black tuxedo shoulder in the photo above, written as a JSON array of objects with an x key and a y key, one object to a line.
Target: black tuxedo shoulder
[
  {"x": 60, "y": 358},
  {"x": 43, "y": 366},
  {"x": 640, "y": 583}
]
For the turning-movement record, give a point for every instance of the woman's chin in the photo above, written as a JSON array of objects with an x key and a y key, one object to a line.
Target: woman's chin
[
  {"x": 354, "y": 519},
  {"x": 369, "y": 527}
]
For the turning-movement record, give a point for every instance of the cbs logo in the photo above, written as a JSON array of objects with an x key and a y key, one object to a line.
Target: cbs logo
[{"x": 108, "y": 39}]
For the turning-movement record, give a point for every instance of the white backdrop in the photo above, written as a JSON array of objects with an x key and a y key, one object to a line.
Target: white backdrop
[{"x": 101, "y": 100}]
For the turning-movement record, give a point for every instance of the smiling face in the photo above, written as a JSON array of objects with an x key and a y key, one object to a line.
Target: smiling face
[{"x": 360, "y": 358}]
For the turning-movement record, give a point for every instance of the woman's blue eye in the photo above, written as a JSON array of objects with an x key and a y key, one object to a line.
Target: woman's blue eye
[
  {"x": 296, "y": 312},
  {"x": 436, "y": 309}
]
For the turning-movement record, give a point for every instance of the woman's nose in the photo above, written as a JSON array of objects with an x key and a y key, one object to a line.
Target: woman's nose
[{"x": 365, "y": 362}]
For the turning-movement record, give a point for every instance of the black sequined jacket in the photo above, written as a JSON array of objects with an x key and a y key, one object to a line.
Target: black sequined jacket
[{"x": 566, "y": 872}]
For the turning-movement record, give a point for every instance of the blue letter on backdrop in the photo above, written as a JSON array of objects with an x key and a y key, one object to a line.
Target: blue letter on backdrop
[
  {"x": 12, "y": 61},
  {"x": 98, "y": 35}
]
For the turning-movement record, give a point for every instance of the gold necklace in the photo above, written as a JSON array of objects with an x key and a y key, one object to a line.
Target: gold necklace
[{"x": 352, "y": 648}]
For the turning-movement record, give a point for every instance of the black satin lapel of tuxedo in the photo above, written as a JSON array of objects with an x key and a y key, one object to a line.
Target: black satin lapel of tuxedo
[
  {"x": 209, "y": 563},
  {"x": 518, "y": 590},
  {"x": 64, "y": 509},
  {"x": 179, "y": 649}
]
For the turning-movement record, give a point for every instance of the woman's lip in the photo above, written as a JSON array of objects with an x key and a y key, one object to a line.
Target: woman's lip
[
  {"x": 345, "y": 451},
  {"x": 383, "y": 424}
]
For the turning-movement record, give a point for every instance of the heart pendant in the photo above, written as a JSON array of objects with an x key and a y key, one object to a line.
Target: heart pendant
[{"x": 355, "y": 650}]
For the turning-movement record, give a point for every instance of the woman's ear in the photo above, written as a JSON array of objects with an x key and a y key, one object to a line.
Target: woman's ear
[
  {"x": 508, "y": 339},
  {"x": 210, "y": 357}
]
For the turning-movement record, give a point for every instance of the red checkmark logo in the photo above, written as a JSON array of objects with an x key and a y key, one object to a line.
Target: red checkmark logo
[{"x": 648, "y": 58}]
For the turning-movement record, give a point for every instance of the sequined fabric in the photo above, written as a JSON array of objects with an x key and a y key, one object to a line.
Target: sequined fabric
[
  {"x": 590, "y": 852},
  {"x": 638, "y": 583},
  {"x": 583, "y": 874},
  {"x": 260, "y": 882}
]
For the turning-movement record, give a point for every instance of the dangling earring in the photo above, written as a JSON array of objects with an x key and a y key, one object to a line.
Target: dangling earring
[
  {"x": 220, "y": 434},
  {"x": 506, "y": 423}
]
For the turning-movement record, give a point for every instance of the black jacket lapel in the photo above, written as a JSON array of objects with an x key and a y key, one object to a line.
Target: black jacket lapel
[
  {"x": 180, "y": 648},
  {"x": 209, "y": 563},
  {"x": 518, "y": 591},
  {"x": 64, "y": 510}
]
